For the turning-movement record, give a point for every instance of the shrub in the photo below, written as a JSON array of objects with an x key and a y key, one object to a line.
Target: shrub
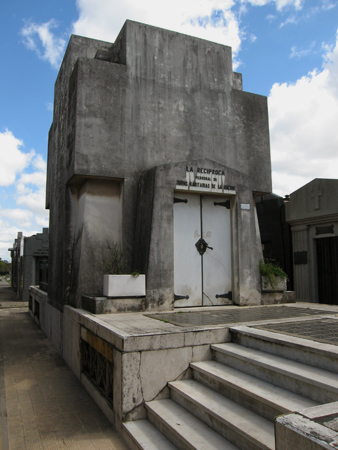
[{"x": 269, "y": 269}]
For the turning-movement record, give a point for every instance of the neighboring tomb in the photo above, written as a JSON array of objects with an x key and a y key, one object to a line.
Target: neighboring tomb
[
  {"x": 29, "y": 263},
  {"x": 35, "y": 262},
  {"x": 16, "y": 271},
  {"x": 312, "y": 213},
  {"x": 155, "y": 146}
]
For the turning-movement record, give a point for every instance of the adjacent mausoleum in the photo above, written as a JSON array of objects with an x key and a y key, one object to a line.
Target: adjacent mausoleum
[
  {"x": 29, "y": 263},
  {"x": 312, "y": 213},
  {"x": 155, "y": 146}
]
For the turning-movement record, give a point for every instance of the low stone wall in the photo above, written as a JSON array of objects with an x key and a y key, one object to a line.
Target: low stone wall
[
  {"x": 276, "y": 298},
  {"x": 49, "y": 318},
  {"x": 310, "y": 429},
  {"x": 137, "y": 368}
]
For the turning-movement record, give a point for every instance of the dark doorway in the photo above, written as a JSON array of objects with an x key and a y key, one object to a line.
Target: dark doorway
[{"x": 327, "y": 269}]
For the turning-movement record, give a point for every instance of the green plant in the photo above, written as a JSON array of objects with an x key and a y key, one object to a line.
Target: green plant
[
  {"x": 115, "y": 261},
  {"x": 269, "y": 269}
]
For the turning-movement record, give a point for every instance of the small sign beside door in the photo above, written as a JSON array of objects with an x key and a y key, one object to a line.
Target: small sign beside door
[{"x": 245, "y": 206}]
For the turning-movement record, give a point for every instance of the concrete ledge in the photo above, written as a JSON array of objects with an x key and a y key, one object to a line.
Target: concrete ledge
[
  {"x": 309, "y": 429},
  {"x": 144, "y": 333},
  {"x": 277, "y": 298},
  {"x": 108, "y": 305}
]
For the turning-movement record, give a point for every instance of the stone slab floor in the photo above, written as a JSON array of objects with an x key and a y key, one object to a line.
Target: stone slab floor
[{"x": 43, "y": 405}]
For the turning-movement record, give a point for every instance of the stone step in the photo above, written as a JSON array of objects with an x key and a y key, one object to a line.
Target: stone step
[
  {"x": 311, "y": 382},
  {"x": 242, "y": 427},
  {"x": 185, "y": 430},
  {"x": 317, "y": 354},
  {"x": 142, "y": 435},
  {"x": 259, "y": 396}
]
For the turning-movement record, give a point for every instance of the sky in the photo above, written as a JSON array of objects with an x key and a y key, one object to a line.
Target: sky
[{"x": 286, "y": 50}]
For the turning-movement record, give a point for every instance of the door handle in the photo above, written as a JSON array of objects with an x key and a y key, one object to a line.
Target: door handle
[{"x": 202, "y": 246}]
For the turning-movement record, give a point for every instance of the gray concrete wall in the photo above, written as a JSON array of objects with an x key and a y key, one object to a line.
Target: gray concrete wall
[
  {"x": 60, "y": 149},
  {"x": 154, "y": 97},
  {"x": 172, "y": 101},
  {"x": 96, "y": 220}
]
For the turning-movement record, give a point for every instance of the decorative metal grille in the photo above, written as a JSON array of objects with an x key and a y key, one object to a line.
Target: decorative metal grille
[
  {"x": 98, "y": 369},
  {"x": 37, "y": 310}
]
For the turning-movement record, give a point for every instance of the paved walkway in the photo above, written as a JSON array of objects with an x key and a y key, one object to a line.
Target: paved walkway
[{"x": 43, "y": 405}]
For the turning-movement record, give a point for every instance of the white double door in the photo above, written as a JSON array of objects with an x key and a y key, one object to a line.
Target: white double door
[{"x": 202, "y": 250}]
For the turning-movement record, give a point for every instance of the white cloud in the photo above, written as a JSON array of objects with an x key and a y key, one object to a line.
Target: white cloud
[
  {"x": 9, "y": 232},
  {"x": 328, "y": 4},
  {"x": 19, "y": 216},
  {"x": 41, "y": 39},
  {"x": 39, "y": 163},
  {"x": 13, "y": 160},
  {"x": 33, "y": 200},
  {"x": 280, "y": 4},
  {"x": 301, "y": 53},
  {"x": 27, "y": 173},
  {"x": 303, "y": 127}
]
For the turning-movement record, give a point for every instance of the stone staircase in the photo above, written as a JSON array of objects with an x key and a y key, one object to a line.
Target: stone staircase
[{"x": 231, "y": 402}]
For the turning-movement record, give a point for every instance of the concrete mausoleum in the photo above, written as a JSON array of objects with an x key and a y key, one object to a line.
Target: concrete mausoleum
[{"x": 155, "y": 146}]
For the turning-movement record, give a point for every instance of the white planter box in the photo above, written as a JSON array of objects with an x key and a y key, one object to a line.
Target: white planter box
[
  {"x": 124, "y": 285},
  {"x": 280, "y": 285}
]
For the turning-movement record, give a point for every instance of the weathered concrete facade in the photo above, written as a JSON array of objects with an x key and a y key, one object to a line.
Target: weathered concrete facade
[
  {"x": 131, "y": 121},
  {"x": 313, "y": 215}
]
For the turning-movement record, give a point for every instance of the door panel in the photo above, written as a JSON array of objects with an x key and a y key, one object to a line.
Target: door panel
[
  {"x": 187, "y": 261},
  {"x": 204, "y": 277},
  {"x": 217, "y": 275}
]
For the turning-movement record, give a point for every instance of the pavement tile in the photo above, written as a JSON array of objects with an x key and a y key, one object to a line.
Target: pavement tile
[
  {"x": 47, "y": 407},
  {"x": 322, "y": 330},
  {"x": 51, "y": 444}
]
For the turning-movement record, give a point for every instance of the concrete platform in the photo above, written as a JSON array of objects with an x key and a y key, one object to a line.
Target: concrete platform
[
  {"x": 141, "y": 352},
  {"x": 148, "y": 350},
  {"x": 202, "y": 325}
]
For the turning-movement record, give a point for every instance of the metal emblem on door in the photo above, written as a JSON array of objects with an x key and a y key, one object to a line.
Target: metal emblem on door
[{"x": 202, "y": 246}]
